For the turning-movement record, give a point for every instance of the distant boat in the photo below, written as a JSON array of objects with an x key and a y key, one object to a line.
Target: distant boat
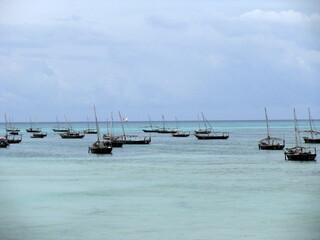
[
  {"x": 14, "y": 136},
  {"x": 39, "y": 135},
  {"x": 59, "y": 128},
  {"x": 115, "y": 140},
  {"x": 33, "y": 129},
  {"x": 70, "y": 134},
  {"x": 90, "y": 130},
  {"x": 180, "y": 133},
  {"x": 100, "y": 147},
  {"x": 313, "y": 133},
  {"x": 133, "y": 139},
  {"x": 205, "y": 130},
  {"x": 270, "y": 143},
  {"x": 4, "y": 142},
  {"x": 299, "y": 153},
  {"x": 150, "y": 128},
  {"x": 212, "y": 135},
  {"x": 164, "y": 129}
]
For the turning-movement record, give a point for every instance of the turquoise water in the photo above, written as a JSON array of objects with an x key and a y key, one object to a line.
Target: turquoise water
[{"x": 174, "y": 188}]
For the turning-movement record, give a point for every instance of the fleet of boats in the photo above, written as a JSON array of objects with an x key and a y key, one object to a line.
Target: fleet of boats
[{"x": 109, "y": 140}]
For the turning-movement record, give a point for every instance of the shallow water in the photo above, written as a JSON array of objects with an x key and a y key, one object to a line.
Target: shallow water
[{"x": 174, "y": 188}]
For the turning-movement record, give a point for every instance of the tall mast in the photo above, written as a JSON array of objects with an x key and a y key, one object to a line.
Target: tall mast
[
  {"x": 176, "y": 122},
  {"x": 5, "y": 119},
  {"x": 311, "y": 131},
  {"x": 267, "y": 122},
  {"x": 163, "y": 122},
  {"x": 124, "y": 134},
  {"x": 97, "y": 127},
  {"x": 112, "y": 130},
  {"x": 204, "y": 121},
  {"x": 295, "y": 127},
  {"x": 108, "y": 129},
  {"x": 150, "y": 121}
]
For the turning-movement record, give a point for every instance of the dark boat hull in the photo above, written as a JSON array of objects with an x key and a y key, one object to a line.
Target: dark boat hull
[
  {"x": 71, "y": 136},
  {"x": 210, "y": 137},
  {"x": 14, "y": 141},
  {"x": 301, "y": 157},
  {"x": 166, "y": 131},
  {"x": 116, "y": 143},
  {"x": 149, "y": 131},
  {"x": 136, "y": 141},
  {"x": 180, "y": 135},
  {"x": 33, "y": 131},
  {"x": 98, "y": 150},
  {"x": 38, "y": 135},
  {"x": 271, "y": 147},
  {"x": 60, "y": 130},
  {"x": 90, "y": 132},
  {"x": 4, "y": 144},
  {"x": 311, "y": 140}
]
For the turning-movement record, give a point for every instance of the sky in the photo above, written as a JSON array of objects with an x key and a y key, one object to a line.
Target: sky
[{"x": 228, "y": 59}]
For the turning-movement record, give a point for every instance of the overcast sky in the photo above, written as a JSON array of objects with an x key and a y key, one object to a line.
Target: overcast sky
[{"x": 228, "y": 59}]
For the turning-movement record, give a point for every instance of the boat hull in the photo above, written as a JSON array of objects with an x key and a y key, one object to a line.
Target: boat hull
[
  {"x": 32, "y": 131},
  {"x": 38, "y": 135},
  {"x": 98, "y": 150},
  {"x": 201, "y": 137},
  {"x": 271, "y": 147},
  {"x": 301, "y": 157},
  {"x": 71, "y": 136},
  {"x": 60, "y": 130},
  {"x": 116, "y": 143},
  {"x": 180, "y": 135},
  {"x": 4, "y": 143},
  {"x": 149, "y": 130},
  {"x": 136, "y": 141},
  {"x": 311, "y": 140}
]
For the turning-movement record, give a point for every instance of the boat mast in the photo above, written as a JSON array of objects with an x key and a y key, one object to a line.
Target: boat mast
[
  {"x": 267, "y": 123},
  {"x": 111, "y": 127},
  {"x": 204, "y": 121},
  {"x": 97, "y": 127},
  {"x": 150, "y": 122},
  {"x": 163, "y": 122},
  {"x": 6, "y": 121},
  {"x": 198, "y": 121},
  {"x": 295, "y": 127},
  {"x": 311, "y": 131},
  {"x": 177, "y": 122},
  {"x": 124, "y": 134}
]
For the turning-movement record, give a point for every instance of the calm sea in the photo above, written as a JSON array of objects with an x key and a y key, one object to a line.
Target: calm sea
[{"x": 174, "y": 188}]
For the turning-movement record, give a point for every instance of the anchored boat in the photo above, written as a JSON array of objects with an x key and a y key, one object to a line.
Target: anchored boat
[
  {"x": 314, "y": 134},
  {"x": 100, "y": 147},
  {"x": 299, "y": 153},
  {"x": 270, "y": 143}
]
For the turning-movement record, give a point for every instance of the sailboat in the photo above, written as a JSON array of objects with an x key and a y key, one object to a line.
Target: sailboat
[
  {"x": 115, "y": 140},
  {"x": 180, "y": 133},
  {"x": 205, "y": 130},
  {"x": 90, "y": 130},
  {"x": 100, "y": 147},
  {"x": 12, "y": 138},
  {"x": 299, "y": 153},
  {"x": 270, "y": 143},
  {"x": 59, "y": 128},
  {"x": 150, "y": 128},
  {"x": 313, "y": 133},
  {"x": 11, "y": 129},
  {"x": 33, "y": 129},
  {"x": 70, "y": 134},
  {"x": 39, "y": 135},
  {"x": 166, "y": 130},
  {"x": 133, "y": 139},
  {"x": 210, "y": 135}
]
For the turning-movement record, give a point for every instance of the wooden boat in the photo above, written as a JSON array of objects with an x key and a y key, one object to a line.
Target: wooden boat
[
  {"x": 212, "y": 135},
  {"x": 33, "y": 129},
  {"x": 181, "y": 134},
  {"x": 116, "y": 141},
  {"x": 4, "y": 142},
  {"x": 59, "y": 128},
  {"x": 39, "y": 135},
  {"x": 270, "y": 143},
  {"x": 164, "y": 129},
  {"x": 100, "y": 147},
  {"x": 133, "y": 139},
  {"x": 150, "y": 128},
  {"x": 71, "y": 134},
  {"x": 205, "y": 130},
  {"x": 14, "y": 139},
  {"x": 299, "y": 153},
  {"x": 314, "y": 134},
  {"x": 90, "y": 130}
]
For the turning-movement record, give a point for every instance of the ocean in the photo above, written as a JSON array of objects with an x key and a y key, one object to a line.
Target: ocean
[{"x": 174, "y": 188}]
